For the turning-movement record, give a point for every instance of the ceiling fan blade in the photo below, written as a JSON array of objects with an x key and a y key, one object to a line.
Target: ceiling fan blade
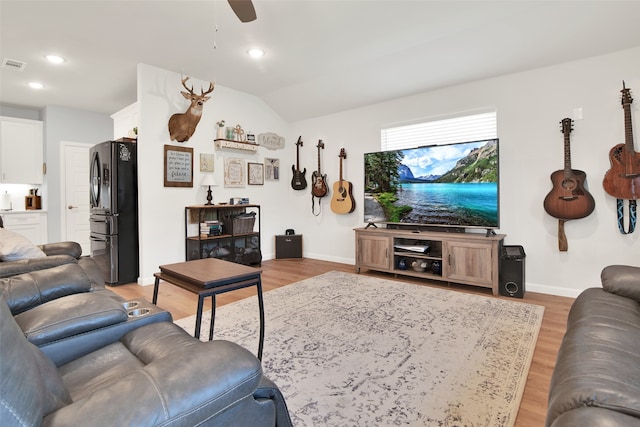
[{"x": 243, "y": 9}]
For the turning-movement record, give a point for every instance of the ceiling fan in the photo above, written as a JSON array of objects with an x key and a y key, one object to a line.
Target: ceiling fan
[{"x": 243, "y": 9}]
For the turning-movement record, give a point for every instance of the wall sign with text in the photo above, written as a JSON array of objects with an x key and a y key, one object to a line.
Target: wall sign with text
[{"x": 178, "y": 166}]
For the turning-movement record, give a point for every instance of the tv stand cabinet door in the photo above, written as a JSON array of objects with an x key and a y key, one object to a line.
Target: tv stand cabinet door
[
  {"x": 471, "y": 263},
  {"x": 373, "y": 251}
]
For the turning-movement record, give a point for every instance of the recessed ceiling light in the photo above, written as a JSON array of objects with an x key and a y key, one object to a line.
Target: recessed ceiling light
[
  {"x": 55, "y": 59},
  {"x": 36, "y": 85},
  {"x": 255, "y": 52}
]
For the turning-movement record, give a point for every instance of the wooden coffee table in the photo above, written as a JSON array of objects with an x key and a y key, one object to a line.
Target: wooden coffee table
[{"x": 210, "y": 277}]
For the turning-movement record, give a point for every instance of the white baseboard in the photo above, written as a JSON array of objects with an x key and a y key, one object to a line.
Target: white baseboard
[{"x": 552, "y": 290}]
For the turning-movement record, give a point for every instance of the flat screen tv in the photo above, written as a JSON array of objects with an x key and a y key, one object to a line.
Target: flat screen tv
[{"x": 452, "y": 185}]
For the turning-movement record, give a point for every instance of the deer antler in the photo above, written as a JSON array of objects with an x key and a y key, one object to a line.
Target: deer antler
[
  {"x": 185, "y": 86},
  {"x": 211, "y": 86}
]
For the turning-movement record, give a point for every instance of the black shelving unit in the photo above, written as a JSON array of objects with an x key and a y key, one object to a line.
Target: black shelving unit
[{"x": 235, "y": 236}]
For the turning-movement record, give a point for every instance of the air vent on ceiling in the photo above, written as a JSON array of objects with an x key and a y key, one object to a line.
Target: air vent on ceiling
[{"x": 13, "y": 64}]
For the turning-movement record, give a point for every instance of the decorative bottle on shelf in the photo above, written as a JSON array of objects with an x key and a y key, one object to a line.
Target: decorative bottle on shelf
[{"x": 402, "y": 264}]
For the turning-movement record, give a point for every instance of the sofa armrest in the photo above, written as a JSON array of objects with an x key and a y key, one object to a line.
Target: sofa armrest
[
  {"x": 92, "y": 269},
  {"x": 65, "y": 350},
  {"x": 13, "y": 268},
  {"x": 269, "y": 391},
  {"x": 588, "y": 416},
  {"x": 184, "y": 382},
  {"x": 72, "y": 249},
  {"x": 68, "y": 316},
  {"x": 29, "y": 290},
  {"x": 623, "y": 280}
]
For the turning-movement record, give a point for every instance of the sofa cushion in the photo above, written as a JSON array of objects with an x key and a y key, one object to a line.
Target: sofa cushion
[
  {"x": 14, "y": 246},
  {"x": 30, "y": 386},
  {"x": 69, "y": 316},
  {"x": 159, "y": 375},
  {"x": 72, "y": 249},
  {"x": 598, "y": 363},
  {"x": 25, "y": 291},
  {"x": 622, "y": 280},
  {"x": 13, "y": 268}
]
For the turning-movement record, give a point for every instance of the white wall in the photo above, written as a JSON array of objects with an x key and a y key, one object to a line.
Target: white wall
[
  {"x": 530, "y": 106},
  {"x": 66, "y": 124},
  {"x": 161, "y": 209}
]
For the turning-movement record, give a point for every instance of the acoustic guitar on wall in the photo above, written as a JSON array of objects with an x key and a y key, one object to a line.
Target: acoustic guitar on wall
[
  {"x": 319, "y": 187},
  {"x": 622, "y": 181},
  {"x": 298, "y": 182},
  {"x": 568, "y": 198},
  {"x": 342, "y": 201}
]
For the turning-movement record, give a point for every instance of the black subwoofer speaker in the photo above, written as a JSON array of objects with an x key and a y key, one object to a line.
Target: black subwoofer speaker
[{"x": 512, "y": 271}]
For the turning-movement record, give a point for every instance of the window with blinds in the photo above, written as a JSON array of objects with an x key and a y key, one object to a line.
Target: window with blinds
[{"x": 473, "y": 127}]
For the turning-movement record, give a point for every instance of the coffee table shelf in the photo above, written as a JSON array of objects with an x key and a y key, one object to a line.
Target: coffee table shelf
[{"x": 210, "y": 277}]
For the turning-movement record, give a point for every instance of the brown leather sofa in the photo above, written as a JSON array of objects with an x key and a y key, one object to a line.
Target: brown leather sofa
[{"x": 596, "y": 380}]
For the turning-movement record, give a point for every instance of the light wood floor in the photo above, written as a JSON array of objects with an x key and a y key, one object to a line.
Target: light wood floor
[{"x": 277, "y": 273}]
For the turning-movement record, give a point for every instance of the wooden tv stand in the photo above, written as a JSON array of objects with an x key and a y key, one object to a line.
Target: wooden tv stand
[{"x": 467, "y": 258}]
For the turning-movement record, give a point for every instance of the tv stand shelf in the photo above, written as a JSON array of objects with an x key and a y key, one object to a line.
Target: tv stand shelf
[{"x": 467, "y": 258}]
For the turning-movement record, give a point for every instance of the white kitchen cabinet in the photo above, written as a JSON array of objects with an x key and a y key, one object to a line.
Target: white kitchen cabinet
[
  {"x": 21, "y": 151},
  {"x": 31, "y": 224},
  {"x": 125, "y": 120}
]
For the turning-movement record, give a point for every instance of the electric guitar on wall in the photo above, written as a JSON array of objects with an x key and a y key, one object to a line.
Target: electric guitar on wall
[
  {"x": 622, "y": 181},
  {"x": 319, "y": 187},
  {"x": 342, "y": 201},
  {"x": 568, "y": 199},
  {"x": 298, "y": 182}
]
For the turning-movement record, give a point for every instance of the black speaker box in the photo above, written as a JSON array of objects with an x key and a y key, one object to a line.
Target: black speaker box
[
  {"x": 289, "y": 246},
  {"x": 512, "y": 271}
]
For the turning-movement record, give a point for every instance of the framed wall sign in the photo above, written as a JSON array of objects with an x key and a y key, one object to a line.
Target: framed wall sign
[
  {"x": 233, "y": 172},
  {"x": 271, "y": 169},
  {"x": 178, "y": 166},
  {"x": 256, "y": 173},
  {"x": 207, "y": 162}
]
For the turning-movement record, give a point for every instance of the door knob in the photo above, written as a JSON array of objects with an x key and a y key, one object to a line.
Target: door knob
[{"x": 72, "y": 207}]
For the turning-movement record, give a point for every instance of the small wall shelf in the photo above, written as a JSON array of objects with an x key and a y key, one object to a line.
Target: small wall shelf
[{"x": 236, "y": 145}]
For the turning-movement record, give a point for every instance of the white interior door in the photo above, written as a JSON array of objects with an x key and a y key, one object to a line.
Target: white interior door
[{"x": 75, "y": 177}]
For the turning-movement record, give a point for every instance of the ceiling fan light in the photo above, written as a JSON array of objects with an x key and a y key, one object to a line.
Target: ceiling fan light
[
  {"x": 55, "y": 59},
  {"x": 255, "y": 53}
]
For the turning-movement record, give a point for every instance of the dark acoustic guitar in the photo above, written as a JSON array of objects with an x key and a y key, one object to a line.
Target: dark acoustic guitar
[
  {"x": 622, "y": 181},
  {"x": 342, "y": 201},
  {"x": 319, "y": 187},
  {"x": 568, "y": 199},
  {"x": 298, "y": 182}
]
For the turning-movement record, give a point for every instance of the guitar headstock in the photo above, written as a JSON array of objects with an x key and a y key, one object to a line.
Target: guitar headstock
[
  {"x": 299, "y": 143},
  {"x": 566, "y": 125},
  {"x": 626, "y": 95},
  {"x": 343, "y": 154},
  {"x": 320, "y": 144}
]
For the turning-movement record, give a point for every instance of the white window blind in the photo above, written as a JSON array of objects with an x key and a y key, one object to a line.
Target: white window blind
[{"x": 474, "y": 127}]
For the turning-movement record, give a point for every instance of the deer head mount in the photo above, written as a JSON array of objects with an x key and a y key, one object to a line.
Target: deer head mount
[{"x": 182, "y": 125}]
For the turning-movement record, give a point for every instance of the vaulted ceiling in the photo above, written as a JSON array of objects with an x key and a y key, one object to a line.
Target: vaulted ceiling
[{"x": 322, "y": 56}]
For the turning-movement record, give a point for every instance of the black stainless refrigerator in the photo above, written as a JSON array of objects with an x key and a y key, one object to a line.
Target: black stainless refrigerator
[{"x": 114, "y": 210}]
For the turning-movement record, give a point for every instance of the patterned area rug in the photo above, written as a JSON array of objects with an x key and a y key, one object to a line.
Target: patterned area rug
[{"x": 352, "y": 350}]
